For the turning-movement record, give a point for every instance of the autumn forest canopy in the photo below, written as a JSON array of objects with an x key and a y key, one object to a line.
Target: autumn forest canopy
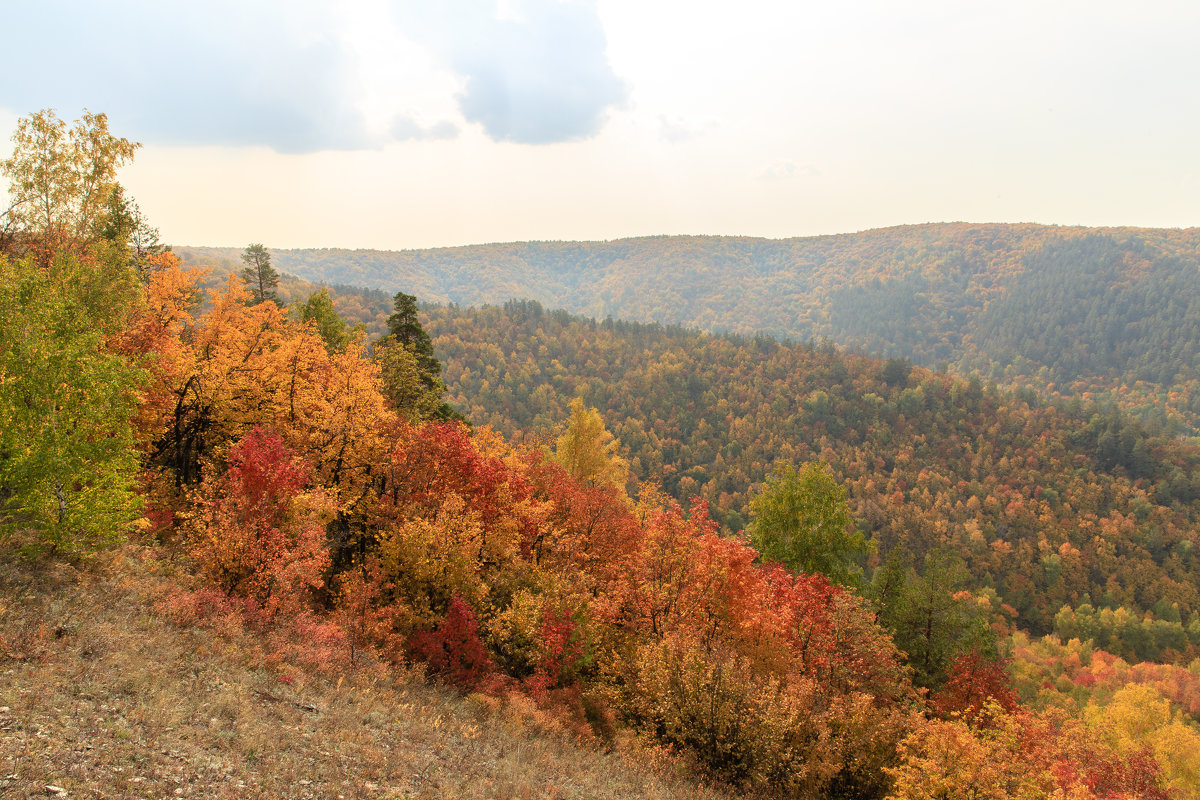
[
  {"x": 1108, "y": 314},
  {"x": 774, "y": 543}
]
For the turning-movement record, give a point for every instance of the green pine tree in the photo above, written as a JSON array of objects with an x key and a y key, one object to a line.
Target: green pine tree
[
  {"x": 405, "y": 332},
  {"x": 260, "y": 277}
]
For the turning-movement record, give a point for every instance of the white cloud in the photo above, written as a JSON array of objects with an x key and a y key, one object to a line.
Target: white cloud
[
  {"x": 534, "y": 72},
  {"x": 307, "y": 76}
]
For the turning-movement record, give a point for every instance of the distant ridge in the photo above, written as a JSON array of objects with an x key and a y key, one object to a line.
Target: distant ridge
[{"x": 1113, "y": 313}]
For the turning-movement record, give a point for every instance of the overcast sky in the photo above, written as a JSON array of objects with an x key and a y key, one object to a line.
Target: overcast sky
[{"x": 368, "y": 123}]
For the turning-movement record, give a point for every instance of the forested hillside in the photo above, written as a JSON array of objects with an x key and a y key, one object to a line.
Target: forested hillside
[
  {"x": 320, "y": 495},
  {"x": 1047, "y": 505},
  {"x": 272, "y": 488},
  {"x": 1107, "y": 313}
]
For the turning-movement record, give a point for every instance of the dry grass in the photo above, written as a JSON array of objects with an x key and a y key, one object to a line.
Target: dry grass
[{"x": 103, "y": 697}]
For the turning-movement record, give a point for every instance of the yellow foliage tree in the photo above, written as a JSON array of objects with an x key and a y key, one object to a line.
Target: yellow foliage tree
[
  {"x": 62, "y": 180},
  {"x": 588, "y": 451},
  {"x": 1138, "y": 718}
]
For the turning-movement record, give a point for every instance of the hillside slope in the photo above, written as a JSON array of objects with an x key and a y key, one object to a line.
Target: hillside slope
[
  {"x": 102, "y": 696},
  {"x": 1110, "y": 312},
  {"x": 1047, "y": 505}
]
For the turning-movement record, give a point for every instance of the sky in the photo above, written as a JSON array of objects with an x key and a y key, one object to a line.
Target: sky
[{"x": 399, "y": 124}]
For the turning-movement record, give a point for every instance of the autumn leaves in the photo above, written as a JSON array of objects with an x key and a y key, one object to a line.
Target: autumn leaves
[{"x": 296, "y": 485}]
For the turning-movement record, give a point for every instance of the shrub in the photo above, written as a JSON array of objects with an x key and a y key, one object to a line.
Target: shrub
[{"x": 453, "y": 649}]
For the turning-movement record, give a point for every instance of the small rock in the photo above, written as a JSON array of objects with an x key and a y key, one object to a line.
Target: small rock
[{"x": 57, "y": 791}]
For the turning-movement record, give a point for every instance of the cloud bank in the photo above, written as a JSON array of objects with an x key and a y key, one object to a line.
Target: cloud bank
[
  {"x": 278, "y": 75},
  {"x": 212, "y": 73},
  {"x": 537, "y": 75}
]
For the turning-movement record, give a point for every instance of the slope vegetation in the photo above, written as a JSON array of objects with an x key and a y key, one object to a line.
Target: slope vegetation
[
  {"x": 103, "y": 695},
  {"x": 307, "y": 507},
  {"x": 1048, "y": 505}
]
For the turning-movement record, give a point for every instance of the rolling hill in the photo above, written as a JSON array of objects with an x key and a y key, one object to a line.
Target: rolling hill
[
  {"x": 1047, "y": 504},
  {"x": 1109, "y": 314}
]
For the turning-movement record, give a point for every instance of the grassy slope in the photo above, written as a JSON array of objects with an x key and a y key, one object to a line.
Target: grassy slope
[{"x": 102, "y": 696}]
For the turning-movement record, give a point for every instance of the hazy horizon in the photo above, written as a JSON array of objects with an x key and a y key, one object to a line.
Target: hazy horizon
[{"x": 240, "y": 246}]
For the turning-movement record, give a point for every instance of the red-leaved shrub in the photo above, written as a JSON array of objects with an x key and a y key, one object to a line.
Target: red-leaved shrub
[{"x": 453, "y": 649}]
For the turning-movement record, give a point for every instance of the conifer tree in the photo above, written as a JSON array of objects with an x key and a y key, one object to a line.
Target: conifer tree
[
  {"x": 424, "y": 397},
  {"x": 405, "y": 328},
  {"x": 260, "y": 277},
  {"x": 127, "y": 227}
]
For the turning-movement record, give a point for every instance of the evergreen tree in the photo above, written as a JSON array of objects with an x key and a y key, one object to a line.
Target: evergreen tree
[
  {"x": 405, "y": 332},
  {"x": 260, "y": 277},
  {"x": 405, "y": 328},
  {"x": 126, "y": 227},
  {"x": 933, "y": 619}
]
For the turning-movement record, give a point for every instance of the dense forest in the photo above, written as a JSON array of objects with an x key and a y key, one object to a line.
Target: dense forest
[
  {"x": 1107, "y": 313},
  {"x": 1047, "y": 504},
  {"x": 323, "y": 490}
]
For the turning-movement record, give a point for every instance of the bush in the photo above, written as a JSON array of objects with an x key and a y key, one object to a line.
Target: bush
[
  {"x": 453, "y": 649},
  {"x": 786, "y": 733}
]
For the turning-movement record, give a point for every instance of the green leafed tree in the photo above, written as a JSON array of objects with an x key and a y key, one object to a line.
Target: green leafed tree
[
  {"x": 319, "y": 310},
  {"x": 67, "y": 460},
  {"x": 800, "y": 519},
  {"x": 258, "y": 274}
]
